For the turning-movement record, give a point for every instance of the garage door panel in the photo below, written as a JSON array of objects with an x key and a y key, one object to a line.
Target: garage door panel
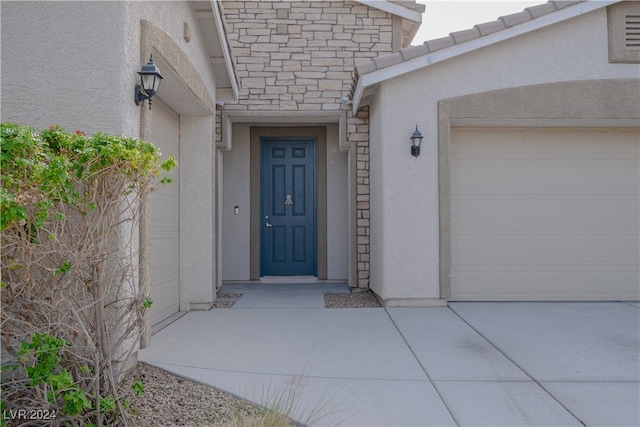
[
  {"x": 564, "y": 247},
  {"x": 485, "y": 176},
  {"x": 591, "y": 284},
  {"x": 165, "y": 273},
  {"x": 557, "y": 221},
  {"x": 629, "y": 284},
  {"x": 545, "y": 285},
  {"x": 165, "y": 219},
  {"x": 627, "y": 250},
  {"x": 571, "y": 142},
  {"x": 572, "y": 211},
  {"x": 496, "y": 248},
  {"x": 164, "y": 252},
  {"x": 488, "y": 211},
  {"x": 629, "y": 141},
  {"x": 573, "y": 176},
  {"x": 504, "y": 141},
  {"x": 476, "y": 284},
  {"x": 628, "y": 211},
  {"x": 164, "y": 291},
  {"x": 165, "y": 211},
  {"x": 164, "y": 228},
  {"x": 627, "y": 178}
]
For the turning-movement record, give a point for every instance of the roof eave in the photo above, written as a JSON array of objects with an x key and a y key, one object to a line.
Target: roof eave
[
  {"x": 394, "y": 9},
  {"x": 357, "y": 95},
  {"x": 226, "y": 51},
  {"x": 410, "y": 34},
  {"x": 377, "y": 76}
]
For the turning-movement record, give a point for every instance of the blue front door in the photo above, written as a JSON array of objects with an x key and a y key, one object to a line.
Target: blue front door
[{"x": 288, "y": 206}]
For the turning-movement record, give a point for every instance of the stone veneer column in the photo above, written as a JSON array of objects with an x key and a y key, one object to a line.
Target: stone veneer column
[{"x": 358, "y": 133}]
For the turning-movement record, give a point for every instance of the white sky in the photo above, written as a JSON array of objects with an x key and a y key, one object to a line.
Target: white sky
[{"x": 443, "y": 17}]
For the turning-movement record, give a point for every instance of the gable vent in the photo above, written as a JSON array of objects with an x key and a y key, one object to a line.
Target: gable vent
[{"x": 632, "y": 32}]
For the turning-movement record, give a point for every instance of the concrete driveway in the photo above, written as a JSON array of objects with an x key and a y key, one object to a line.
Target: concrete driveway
[{"x": 480, "y": 364}]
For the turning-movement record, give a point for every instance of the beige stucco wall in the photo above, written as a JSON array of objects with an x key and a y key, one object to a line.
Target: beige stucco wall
[
  {"x": 404, "y": 190},
  {"x": 236, "y": 239},
  {"x": 61, "y": 64},
  {"x": 337, "y": 208},
  {"x": 75, "y": 64},
  {"x": 171, "y": 17}
]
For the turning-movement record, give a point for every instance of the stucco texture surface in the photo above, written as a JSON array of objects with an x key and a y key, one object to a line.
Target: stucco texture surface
[{"x": 404, "y": 190}]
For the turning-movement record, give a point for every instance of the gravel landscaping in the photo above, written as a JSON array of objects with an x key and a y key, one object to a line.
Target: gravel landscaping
[
  {"x": 358, "y": 299},
  {"x": 169, "y": 400},
  {"x": 226, "y": 299}
]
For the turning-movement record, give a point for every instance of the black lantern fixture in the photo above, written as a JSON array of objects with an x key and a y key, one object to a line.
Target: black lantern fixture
[
  {"x": 416, "y": 140},
  {"x": 150, "y": 80}
]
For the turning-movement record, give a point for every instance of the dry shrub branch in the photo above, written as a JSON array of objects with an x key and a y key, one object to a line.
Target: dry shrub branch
[{"x": 72, "y": 310}]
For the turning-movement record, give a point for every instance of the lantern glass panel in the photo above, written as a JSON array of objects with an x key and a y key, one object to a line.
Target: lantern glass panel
[
  {"x": 156, "y": 83},
  {"x": 147, "y": 82}
]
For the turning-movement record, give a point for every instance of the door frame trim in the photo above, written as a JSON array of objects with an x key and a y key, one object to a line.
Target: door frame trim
[{"x": 320, "y": 133}]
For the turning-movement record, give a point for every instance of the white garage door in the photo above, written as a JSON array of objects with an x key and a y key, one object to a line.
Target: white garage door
[
  {"x": 545, "y": 214},
  {"x": 165, "y": 216}
]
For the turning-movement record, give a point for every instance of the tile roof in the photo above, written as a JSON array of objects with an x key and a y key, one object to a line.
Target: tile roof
[{"x": 458, "y": 37}]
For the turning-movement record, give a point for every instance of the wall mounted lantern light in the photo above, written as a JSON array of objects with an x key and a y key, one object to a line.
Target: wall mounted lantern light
[
  {"x": 416, "y": 140},
  {"x": 150, "y": 80}
]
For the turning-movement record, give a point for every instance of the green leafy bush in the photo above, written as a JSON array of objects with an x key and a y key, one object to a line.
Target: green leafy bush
[
  {"x": 40, "y": 170},
  {"x": 72, "y": 310}
]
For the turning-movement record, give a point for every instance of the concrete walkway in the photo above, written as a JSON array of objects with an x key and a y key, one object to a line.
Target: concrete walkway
[{"x": 479, "y": 364}]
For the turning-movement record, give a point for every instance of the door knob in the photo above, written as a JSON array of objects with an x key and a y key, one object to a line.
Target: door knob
[{"x": 266, "y": 224}]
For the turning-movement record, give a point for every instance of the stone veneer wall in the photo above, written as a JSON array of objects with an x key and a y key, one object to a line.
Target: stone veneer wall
[
  {"x": 300, "y": 56},
  {"x": 358, "y": 131}
]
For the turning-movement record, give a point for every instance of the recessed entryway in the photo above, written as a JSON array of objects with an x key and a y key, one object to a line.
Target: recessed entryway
[
  {"x": 267, "y": 143},
  {"x": 242, "y": 220}
]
